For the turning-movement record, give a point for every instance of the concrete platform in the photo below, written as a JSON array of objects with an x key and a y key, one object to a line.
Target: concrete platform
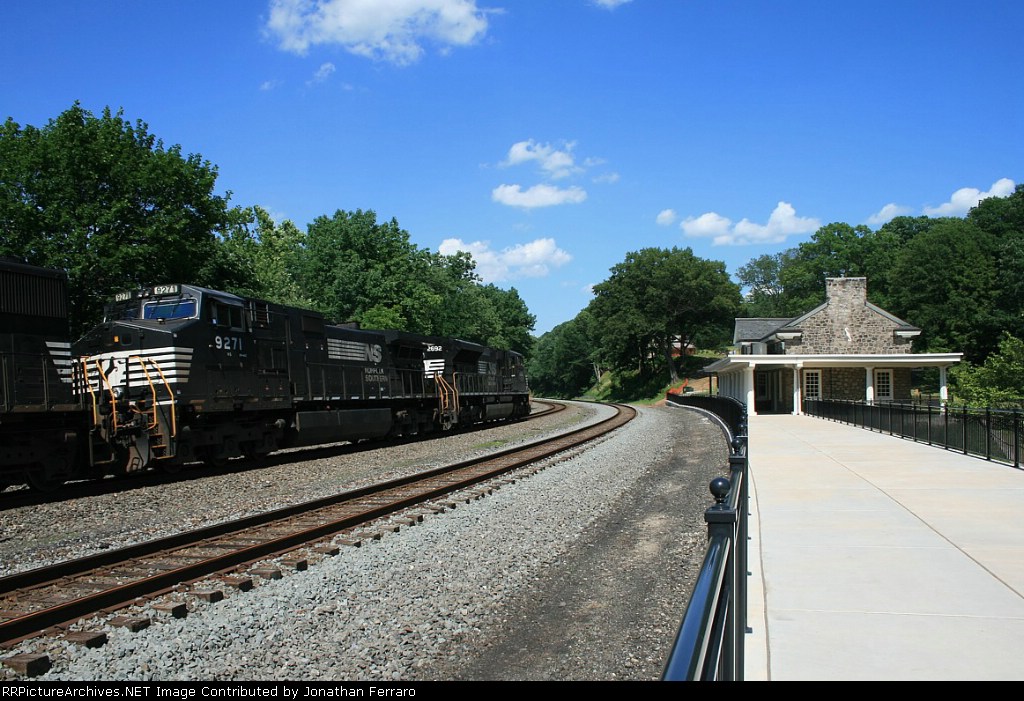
[{"x": 876, "y": 558}]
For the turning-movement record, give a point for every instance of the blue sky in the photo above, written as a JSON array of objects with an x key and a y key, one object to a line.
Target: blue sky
[{"x": 550, "y": 138}]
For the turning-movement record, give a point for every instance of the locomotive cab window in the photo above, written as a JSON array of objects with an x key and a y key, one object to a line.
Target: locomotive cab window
[
  {"x": 184, "y": 308},
  {"x": 227, "y": 316}
]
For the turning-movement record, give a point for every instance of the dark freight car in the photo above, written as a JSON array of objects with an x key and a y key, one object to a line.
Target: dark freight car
[{"x": 41, "y": 422}]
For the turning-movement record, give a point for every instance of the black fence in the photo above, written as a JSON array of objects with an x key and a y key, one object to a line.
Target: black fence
[
  {"x": 710, "y": 643},
  {"x": 993, "y": 434}
]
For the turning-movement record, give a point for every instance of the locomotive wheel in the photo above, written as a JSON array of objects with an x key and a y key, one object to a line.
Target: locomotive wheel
[{"x": 38, "y": 481}]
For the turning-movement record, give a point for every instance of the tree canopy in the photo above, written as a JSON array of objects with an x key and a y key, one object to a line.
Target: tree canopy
[{"x": 104, "y": 200}]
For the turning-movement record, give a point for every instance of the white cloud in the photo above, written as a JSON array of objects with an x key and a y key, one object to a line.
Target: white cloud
[
  {"x": 611, "y": 4},
  {"x": 965, "y": 198},
  {"x": 537, "y": 196},
  {"x": 268, "y": 85},
  {"x": 384, "y": 30},
  {"x": 666, "y": 217},
  {"x": 782, "y": 223},
  {"x": 533, "y": 259},
  {"x": 709, "y": 224},
  {"x": 322, "y": 73},
  {"x": 888, "y": 212},
  {"x": 555, "y": 163}
]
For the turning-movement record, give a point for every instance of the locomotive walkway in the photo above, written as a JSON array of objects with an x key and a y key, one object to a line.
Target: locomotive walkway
[{"x": 876, "y": 558}]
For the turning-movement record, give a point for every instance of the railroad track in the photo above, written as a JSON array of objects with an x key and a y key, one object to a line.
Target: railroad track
[{"x": 50, "y": 599}]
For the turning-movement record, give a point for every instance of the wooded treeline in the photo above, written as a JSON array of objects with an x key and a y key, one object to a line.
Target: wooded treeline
[{"x": 106, "y": 201}]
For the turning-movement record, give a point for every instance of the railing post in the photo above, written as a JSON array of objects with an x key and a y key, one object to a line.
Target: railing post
[
  {"x": 988, "y": 433},
  {"x": 721, "y": 520},
  {"x": 928, "y": 407},
  {"x": 1016, "y": 438},
  {"x": 738, "y": 475},
  {"x": 945, "y": 425},
  {"x": 963, "y": 425}
]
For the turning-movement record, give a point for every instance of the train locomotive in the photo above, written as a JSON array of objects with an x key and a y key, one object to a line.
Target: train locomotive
[
  {"x": 178, "y": 373},
  {"x": 42, "y": 426}
]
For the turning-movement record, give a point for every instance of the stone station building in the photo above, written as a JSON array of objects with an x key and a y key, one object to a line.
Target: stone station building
[{"x": 846, "y": 348}]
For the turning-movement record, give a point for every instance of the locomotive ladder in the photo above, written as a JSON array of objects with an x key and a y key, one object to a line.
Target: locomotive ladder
[
  {"x": 447, "y": 400},
  {"x": 162, "y": 427},
  {"x": 94, "y": 402}
]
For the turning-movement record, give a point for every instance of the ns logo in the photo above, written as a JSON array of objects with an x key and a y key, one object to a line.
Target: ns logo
[{"x": 373, "y": 352}]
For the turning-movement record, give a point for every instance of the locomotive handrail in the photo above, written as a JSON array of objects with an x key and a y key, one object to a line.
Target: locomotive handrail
[
  {"x": 447, "y": 395},
  {"x": 92, "y": 394},
  {"x": 152, "y": 388}
]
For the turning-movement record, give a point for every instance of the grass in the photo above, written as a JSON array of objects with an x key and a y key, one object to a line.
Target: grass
[{"x": 634, "y": 388}]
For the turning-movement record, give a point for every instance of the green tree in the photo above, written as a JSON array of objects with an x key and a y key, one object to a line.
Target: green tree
[
  {"x": 765, "y": 294},
  {"x": 359, "y": 270},
  {"x": 1003, "y": 218},
  {"x": 107, "y": 202},
  {"x": 356, "y": 269},
  {"x": 657, "y": 298},
  {"x": 271, "y": 255},
  {"x": 835, "y": 250},
  {"x": 563, "y": 364},
  {"x": 513, "y": 322},
  {"x": 948, "y": 288},
  {"x": 1000, "y": 380}
]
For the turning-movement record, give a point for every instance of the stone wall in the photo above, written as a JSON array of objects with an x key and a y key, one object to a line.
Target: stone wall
[
  {"x": 847, "y": 325},
  {"x": 842, "y": 383}
]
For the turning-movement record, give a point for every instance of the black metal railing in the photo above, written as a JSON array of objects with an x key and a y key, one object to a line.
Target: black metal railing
[
  {"x": 731, "y": 411},
  {"x": 710, "y": 643},
  {"x": 993, "y": 434}
]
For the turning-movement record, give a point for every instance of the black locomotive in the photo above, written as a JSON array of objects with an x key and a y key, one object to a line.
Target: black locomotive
[
  {"x": 178, "y": 373},
  {"x": 42, "y": 426}
]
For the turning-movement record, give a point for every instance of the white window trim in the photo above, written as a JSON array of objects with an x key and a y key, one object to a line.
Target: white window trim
[
  {"x": 878, "y": 385},
  {"x": 808, "y": 395}
]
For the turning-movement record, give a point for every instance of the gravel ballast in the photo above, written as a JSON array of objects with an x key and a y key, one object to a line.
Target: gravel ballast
[{"x": 578, "y": 572}]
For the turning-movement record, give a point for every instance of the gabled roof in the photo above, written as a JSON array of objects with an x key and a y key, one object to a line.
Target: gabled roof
[{"x": 755, "y": 329}]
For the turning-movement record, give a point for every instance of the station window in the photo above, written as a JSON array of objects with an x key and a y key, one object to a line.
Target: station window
[
  {"x": 812, "y": 384},
  {"x": 883, "y": 384}
]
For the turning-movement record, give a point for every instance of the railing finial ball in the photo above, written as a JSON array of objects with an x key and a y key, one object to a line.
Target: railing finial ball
[{"x": 719, "y": 489}]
